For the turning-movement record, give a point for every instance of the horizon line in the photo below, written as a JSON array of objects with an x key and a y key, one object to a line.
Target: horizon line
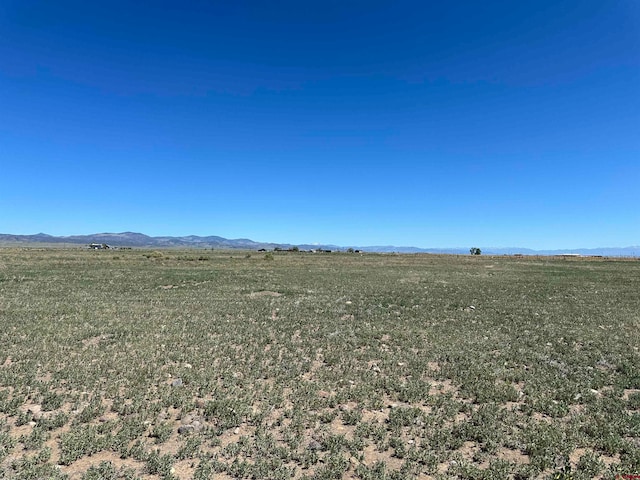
[{"x": 567, "y": 249}]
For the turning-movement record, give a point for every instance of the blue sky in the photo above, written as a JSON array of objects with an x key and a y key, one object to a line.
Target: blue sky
[{"x": 431, "y": 124}]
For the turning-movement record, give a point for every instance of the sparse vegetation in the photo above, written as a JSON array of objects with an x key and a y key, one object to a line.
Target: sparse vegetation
[{"x": 317, "y": 366}]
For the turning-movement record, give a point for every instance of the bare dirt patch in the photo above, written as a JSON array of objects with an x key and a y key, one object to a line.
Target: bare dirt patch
[
  {"x": 513, "y": 456},
  {"x": 79, "y": 467},
  {"x": 264, "y": 293}
]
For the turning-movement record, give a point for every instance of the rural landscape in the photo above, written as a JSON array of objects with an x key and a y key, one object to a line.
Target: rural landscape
[
  {"x": 341, "y": 240},
  {"x": 228, "y": 364}
]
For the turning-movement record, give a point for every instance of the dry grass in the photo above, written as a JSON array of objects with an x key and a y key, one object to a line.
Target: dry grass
[{"x": 183, "y": 364}]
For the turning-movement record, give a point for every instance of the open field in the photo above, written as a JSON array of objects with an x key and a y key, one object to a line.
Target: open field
[{"x": 221, "y": 365}]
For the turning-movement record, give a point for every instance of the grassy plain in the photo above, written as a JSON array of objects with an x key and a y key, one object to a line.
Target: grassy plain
[{"x": 220, "y": 365}]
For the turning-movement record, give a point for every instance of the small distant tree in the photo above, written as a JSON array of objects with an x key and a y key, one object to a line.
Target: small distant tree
[
  {"x": 350, "y": 250},
  {"x": 475, "y": 251},
  {"x": 295, "y": 249}
]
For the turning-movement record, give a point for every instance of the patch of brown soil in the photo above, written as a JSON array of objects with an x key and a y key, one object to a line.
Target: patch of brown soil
[
  {"x": 52, "y": 443},
  {"x": 513, "y": 406},
  {"x": 541, "y": 417},
  {"x": 94, "y": 341},
  {"x": 317, "y": 364},
  {"x": 264, "y": 293},
  {"x": 46, "y": 378},
  {"x": 513, "y": 456},
  {"x": 442, "y": 387},
  {"x": 184, "y": 469},
  {"x": 468, "y": 450},
  {"x": 232, "y": 436},
  {"x": 17, "y": 432},
  {"x": 339, "y": 428},
  {"x": 610, "y": 460},
  {"x": 79, "y": 467},
  {"x": 577, "y": 409},
  {"x": 371, "y": 455},
  {"x": 578, "y": 453},
  {"x": 376, "y": 416}
]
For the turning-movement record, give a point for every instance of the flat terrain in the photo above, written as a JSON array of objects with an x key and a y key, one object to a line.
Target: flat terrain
[{"x": 207, "y": 364}]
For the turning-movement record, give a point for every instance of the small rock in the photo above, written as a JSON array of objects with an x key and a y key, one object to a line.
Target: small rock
[
  {"x": 35, "y": 411},
  {"x": 236, "y": 430},
  {"x": 177, "y": 382},
  {"x": 188, "y": 365},
  {"x": 314, "y": 445},
  {"x": 348, "y": 302},
  {"x": 182, "y": 429},
  {"x": 32, "y": 423}
]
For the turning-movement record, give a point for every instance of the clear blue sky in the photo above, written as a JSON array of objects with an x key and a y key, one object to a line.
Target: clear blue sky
[{"x": 431, "y": 124}]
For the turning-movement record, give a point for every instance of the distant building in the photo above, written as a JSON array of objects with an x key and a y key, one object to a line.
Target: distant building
[{"x": 99, "y": 246}]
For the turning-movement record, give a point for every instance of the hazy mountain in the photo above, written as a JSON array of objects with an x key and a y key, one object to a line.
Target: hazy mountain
[{"x": 133, "y": 239}]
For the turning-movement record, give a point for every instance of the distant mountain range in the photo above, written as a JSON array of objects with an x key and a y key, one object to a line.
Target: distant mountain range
[{"x": 132, "y": 239}]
